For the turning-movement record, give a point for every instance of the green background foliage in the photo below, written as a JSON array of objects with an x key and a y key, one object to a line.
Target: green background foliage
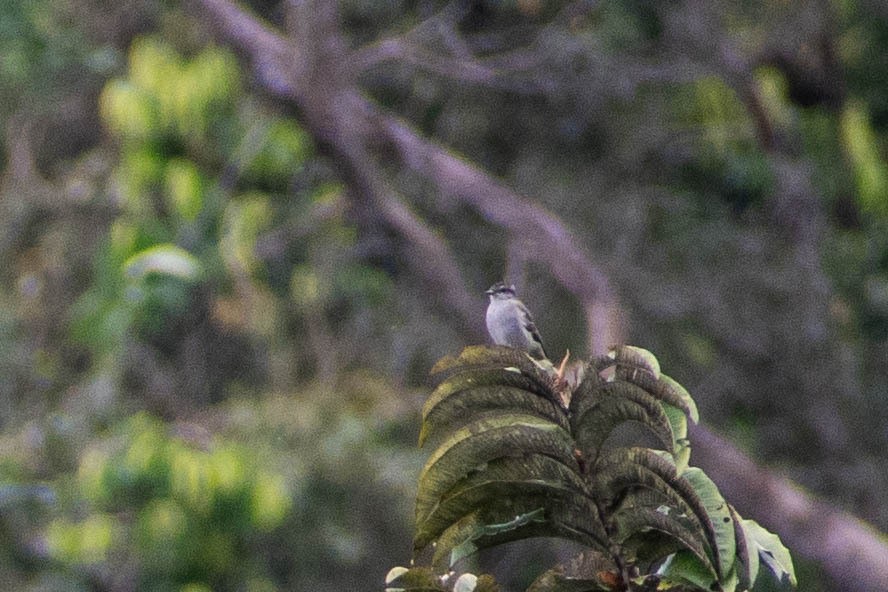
[{"x": 213, "y": 360}]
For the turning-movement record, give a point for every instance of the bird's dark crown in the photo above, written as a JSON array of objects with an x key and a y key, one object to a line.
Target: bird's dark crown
[{"x": 501, "y": 288}]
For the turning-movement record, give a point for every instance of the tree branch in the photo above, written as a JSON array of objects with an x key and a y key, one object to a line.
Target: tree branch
[
  {"x": 850, "y": 551},
  {"x": 525, "y": 70},
  {"x": 267, "y": 50},
  {"x": 347, "y": 123},
  {"x": 551, "y": 242},
  {"x": 428, "y": 253},
  {"x": 454, "y": 68}
]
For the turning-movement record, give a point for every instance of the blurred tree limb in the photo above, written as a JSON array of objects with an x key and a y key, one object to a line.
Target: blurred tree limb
[
  {"x": 852, "y": 552},
  {"x": 314, "y": 69},
  {"x": 324, "y": 88}
]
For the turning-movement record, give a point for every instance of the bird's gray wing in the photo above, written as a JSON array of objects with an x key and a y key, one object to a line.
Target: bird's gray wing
[{"x": 527, "y": 320}]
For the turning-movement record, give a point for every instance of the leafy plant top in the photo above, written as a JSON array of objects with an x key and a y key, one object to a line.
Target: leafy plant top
[{"x": 601, "y": 459}]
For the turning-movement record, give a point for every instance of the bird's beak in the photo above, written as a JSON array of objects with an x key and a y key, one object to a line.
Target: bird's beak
[{"x": 488, "y": 292}]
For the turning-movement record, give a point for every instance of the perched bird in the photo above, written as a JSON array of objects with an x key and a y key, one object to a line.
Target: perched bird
[{"x": 509, "y": 322}]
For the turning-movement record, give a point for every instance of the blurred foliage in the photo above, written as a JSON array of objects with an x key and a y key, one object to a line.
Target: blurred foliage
[
  {"x": 180, "y": 260},
  {"x": 180, "y": 302},
  {"x": 350, "y": 460},
  {"x": 162, "y": 513},
  {"x": 43, "y": 51}
]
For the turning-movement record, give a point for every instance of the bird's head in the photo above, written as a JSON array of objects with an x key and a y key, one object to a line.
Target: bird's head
[{"x": 500, "y": 291}]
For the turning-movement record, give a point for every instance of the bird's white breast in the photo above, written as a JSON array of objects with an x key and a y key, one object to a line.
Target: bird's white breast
[{"x": 505, "y": 325}]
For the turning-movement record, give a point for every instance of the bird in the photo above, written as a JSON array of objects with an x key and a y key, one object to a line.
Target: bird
[{"x": 510, "y": 323}]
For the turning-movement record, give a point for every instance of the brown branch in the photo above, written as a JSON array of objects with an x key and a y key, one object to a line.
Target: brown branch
[
  {"x": 850, "y": 551},
  {"x": 329, "y": 121},
  {"x": 525, "y": 70},
  {"x": 429, "y": 254},
  {"x": 454, "y": 68},
  {"x": 551, "y": 242},
  {"x": 268, "y": 51},
  {"x": 347, "y": 123}
]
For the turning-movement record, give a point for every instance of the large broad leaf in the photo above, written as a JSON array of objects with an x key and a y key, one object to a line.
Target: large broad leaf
[
  {"x": 470, "y": 536},
  {"x": 532, "y": 476},
  {"x": 667, "y": 390},
  {"x": 681, "y": 451},
  {"x": 515, "y": 519},
  {"x": 650, "y": 533},
  {"x": 485, "y": 530},
  {"x": 481, "y": 357},
  {"x": 622, "y": 472},
  {"x": 465, "y": 396},
  {"x": 483, "y": 440},
  {"x": 622, "y": 469},
  {"x": 489, "y": 497},
  {"x": 499, "y": 375},
  {"x": 565, "y": 515},
  {"x": 629, "y": 361},
  {"x": 640, "y": 367},
  {"x": 517, "y": 513},
  {"x": 597, "y": 413},
  {"x": 519, "y": 518},
  {"x": 747, "y": 564},
  {"x": 771, "y": 551},
  {"x": 686, "y": 568},
  {"x": 719, "y": 518}
]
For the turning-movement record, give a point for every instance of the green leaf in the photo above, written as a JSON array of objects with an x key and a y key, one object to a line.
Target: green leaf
[
  {"x": 667, "y": 390},
  {"x": 482, "y": 357},
  {"x": 483, "y": 535},
  {"x": 184, "y": 189},
  {"x": 719, "y": 517},
  {"x": 465, "y": 396},
  {"x": 747, "y": 558},
  {"x": 632, "y": 360},
  {"x": 639, "y": 524},
  {"x": 516, "y": 519},
  {"x": 597, "y": 413},
  {"x": 395, "y": 573},
  {"x": 686, "y": 568},
  {"x": 620, "y": 470},
  {"x": 166, "y": 259},
  {"x": 415, "y": 579},
  {"x": 534, "y": 476},
  {"x": 283, "y": 150},
  {"x": 467, "y": 535},
  {"x": 681, "y": 451},
  {"x": 505, "y": 376},
  {"x": 862, "y": 144},
  {"x": 483, "y": 440},
  {"x": 771, "y": 551}
]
